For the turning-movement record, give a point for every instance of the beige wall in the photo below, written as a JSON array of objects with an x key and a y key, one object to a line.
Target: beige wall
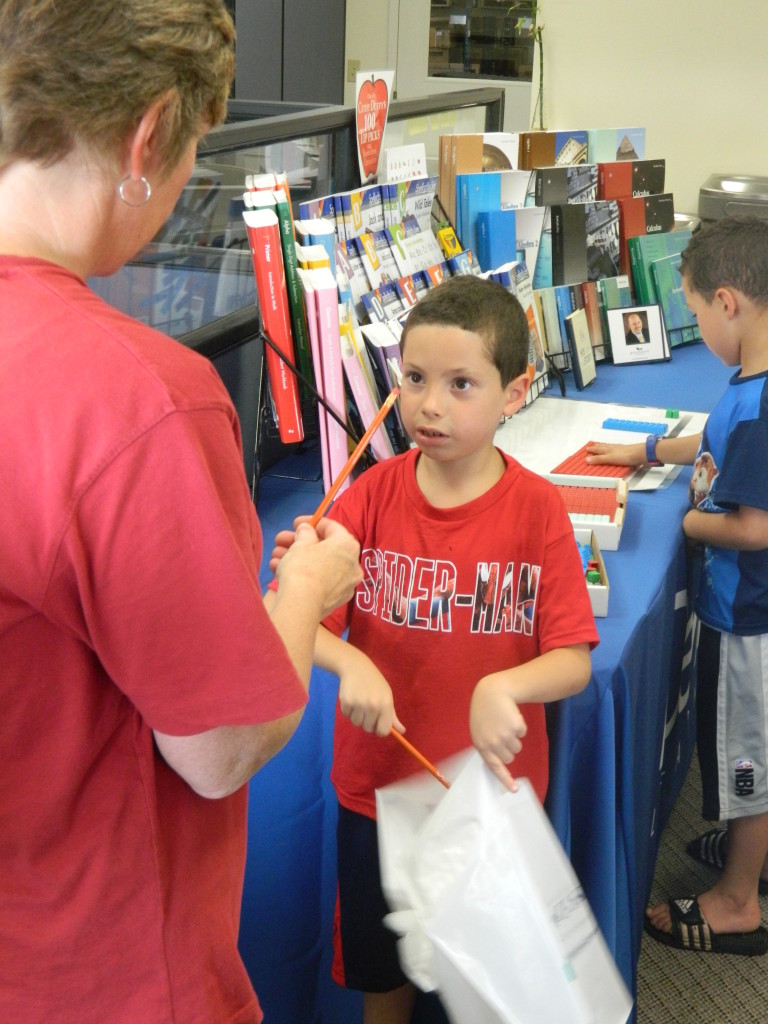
[{"x": 693, "y": 72}]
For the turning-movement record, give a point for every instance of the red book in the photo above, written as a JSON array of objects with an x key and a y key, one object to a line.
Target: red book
[
  {"x": 622, "y": 178},
  {"x": 266, "y": 252},
  {"x": 643, "y": 215},
  {"x": 592, "y": 309}
]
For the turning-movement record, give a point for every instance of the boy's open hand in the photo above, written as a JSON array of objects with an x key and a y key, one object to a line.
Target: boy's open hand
[
  {"x": 497, "y": 727},
  {"x": 601, "y": 454}
]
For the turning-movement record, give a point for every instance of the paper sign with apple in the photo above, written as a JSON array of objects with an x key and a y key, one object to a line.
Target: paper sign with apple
[{"x": 373, "y": 90}]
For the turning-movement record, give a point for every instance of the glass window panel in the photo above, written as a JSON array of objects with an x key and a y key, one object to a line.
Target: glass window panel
[{"x": 481, "y": 39}]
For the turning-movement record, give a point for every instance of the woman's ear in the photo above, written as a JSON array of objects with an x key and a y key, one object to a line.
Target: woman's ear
[{"x": 144, "y": 143}]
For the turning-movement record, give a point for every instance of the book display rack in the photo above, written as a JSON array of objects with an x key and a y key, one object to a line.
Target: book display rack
[
  {"x": 196, "y": 280},
  {"x": 589, "y": 213}
]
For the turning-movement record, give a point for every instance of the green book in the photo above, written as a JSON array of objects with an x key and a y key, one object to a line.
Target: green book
[
  {"x": 293, "y": 286},
  {"x": 669, "y": 295},
  {"x": 612, "y": 293},
  {"x": 643, "y": 250}
]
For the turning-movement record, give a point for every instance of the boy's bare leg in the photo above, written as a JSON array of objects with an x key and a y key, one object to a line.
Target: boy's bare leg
[
  {"x": 731, "y": 905},
  {"x": 764, "y": 869},
  {"x": 393, "y": 1007}
]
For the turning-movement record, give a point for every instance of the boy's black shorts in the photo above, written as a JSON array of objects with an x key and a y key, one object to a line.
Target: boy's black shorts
[{"x": 364, "y": 949}]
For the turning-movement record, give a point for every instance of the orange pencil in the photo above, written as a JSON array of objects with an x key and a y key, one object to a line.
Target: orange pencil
[
  {"x": 362, "y": 444},
  {"x": 420, "y": 757}
]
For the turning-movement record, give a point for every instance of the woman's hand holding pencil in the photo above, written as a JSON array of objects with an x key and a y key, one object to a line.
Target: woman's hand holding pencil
[
  {"x": 285, "y": 538},
  {"x": 324, "y": 561}
]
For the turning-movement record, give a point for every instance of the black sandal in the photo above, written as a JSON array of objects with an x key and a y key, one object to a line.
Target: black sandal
[
  {"x": 691, "y": 931},
  {"x": 711, "y": 849}
]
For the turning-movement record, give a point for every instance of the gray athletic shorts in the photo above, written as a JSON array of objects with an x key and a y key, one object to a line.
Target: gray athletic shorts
[{"x": 732, "y": 724}]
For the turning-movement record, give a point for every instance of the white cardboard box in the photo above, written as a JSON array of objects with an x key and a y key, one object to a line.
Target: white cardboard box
[
  {"x": 598, "y": 592},
  {"x": 608, "y": 534}
]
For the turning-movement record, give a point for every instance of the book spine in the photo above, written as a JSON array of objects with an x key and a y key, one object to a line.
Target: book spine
[
  {"x": 593, "y": 318},
  {"x": 631, "y": 223},
  {"x": 577, "y": 295},
  {"x": 314, "y": 344},
  {"x": 388, "y": 203},
  {"x": 350, "y": 211},
  {"x": 525, "y": 151},
  {"x": 295, "y": 297},
  {"x": 361, "y": 392},
  {"x": 266, "y": 253},
  {"x": 443, "y": 180},
  {"x": 555, "y": 346},
  {"x": 539, "y": 307},
  {"x": 569, "y": 333},
  {"x": 385, "y": 357},
  {"x": 454, "y": 215},
  {"x": 558, "y": 245},
  {"x": 601, "y": 180},
  {"x": 321, "y": 231},
  {"x": 326, "y": 297},
  {"x": 564, "y": 309},
  {"x": 542, "y": 271},
  {"x": 636, "y": 271},
  {"x": 462, "y": 210},
  {"x": 615, "y": 180},
  {"x": 483, "y": 229},
  {"x": 538, "y": 187}
]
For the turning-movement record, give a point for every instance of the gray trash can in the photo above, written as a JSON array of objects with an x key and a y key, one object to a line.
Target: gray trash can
[{"x": 733, "y": 195}]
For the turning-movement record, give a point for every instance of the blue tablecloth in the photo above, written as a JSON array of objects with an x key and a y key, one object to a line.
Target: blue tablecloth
[{"x": 620, "y": 749}]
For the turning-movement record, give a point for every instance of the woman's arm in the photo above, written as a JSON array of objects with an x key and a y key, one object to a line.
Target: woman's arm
[{"x": 318, "y": 573}]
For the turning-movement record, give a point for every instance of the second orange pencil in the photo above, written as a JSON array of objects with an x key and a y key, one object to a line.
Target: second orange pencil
[
  {"x": 362, "y": 444},
  {"x": 419, "y": 757}
]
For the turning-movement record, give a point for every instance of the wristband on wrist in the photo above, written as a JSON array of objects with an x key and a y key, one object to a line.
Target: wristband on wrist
[{"x": 650, "y": 450}]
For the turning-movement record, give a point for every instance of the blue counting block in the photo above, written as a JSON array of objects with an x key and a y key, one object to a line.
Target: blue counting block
[
  {"x": 638, "y": 425},
  {"x": 585, "y": 550}
]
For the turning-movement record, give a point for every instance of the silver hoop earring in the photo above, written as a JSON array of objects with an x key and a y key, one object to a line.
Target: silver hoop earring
[{"x": 133, "y": 192}]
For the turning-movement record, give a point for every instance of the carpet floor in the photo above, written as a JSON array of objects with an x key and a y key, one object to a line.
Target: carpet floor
[{"x": 677, "y": 987}]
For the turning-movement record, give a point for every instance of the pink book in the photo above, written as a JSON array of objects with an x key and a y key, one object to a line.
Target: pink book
[
  {"x": 327, "y": 310},
  {"x": 310, "y": 306}
]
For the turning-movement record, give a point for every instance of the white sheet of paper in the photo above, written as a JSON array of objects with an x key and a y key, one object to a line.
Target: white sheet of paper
[
  {"x": 544, "y": 434},
  {"x": 488, "y": 907}
]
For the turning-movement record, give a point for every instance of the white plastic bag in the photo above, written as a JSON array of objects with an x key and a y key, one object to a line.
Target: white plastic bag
[{"x": 488, "y": 908}]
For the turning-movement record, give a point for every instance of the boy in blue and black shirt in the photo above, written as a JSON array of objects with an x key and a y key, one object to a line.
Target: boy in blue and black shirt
[{"x": 725, "y": 282}]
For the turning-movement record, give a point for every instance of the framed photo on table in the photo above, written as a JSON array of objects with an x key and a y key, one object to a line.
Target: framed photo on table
[{"x": 637, "y": 334}]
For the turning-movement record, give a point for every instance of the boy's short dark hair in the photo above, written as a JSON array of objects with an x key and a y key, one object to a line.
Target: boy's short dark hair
[
  {"x": 729, "y": 253},
  {"x": 485, "y": 308}
]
